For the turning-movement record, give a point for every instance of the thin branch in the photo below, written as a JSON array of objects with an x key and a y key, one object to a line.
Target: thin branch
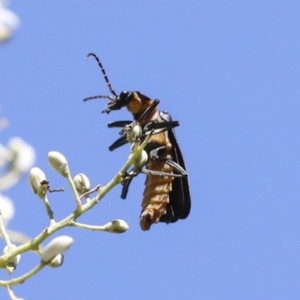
[
  {"x": 49, "y": 210},
  {"x": 89, "y": 227},
  {"x": 95, "y": 189},
  {"x": 75, "y": 193},
  {"x": 24, "y": 277},
  {"x": 3, "y": 231}
]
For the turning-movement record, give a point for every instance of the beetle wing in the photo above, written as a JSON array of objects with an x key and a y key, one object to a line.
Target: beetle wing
[{"x": 180, "y": 198}]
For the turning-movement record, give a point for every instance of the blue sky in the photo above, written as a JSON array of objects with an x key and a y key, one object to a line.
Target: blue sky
[{"x": 229, "y": 72}]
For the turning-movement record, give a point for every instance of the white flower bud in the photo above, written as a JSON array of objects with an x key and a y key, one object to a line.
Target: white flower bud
[
  {"x": 18, "y": 157},
  {"x": 12, "y": 263},
  {"x": 82, "y": 183},
  {"x": 57, "y": 246},
  {"x": 59, "y": 163},
  {"x": 23, "y": 155},
  {"x": 116, "y": 226},
  {"x": 7, "y": 209},
  {"x": 141, "y": 161},
  {"x": 8, "y": 23},
  {"x": 57, "y": 261},
  {"x": 36, "y": 178},
  {"x": 3, "y": 155},
  {"x": 135, "y": 132}
]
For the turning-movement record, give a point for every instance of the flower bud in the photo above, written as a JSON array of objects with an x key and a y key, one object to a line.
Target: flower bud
[
  {"x": 7, "y": 209},
  {"x": 9, "y": 22},
  {"x": 36, "y": 179},
  {"x": 4, "y": 155},
  {"x": 12, "y": 263},
  {"x": 57, "y": 261},
  {"x": 135, "y": 132},
  {"x": 23, "y": 155},
  {"x": 82, "y": 183},
  {"x": 59, "y": 163},
  {"x": 57, "y": 246},
  {"x": 141, "y": 161},
  {"x": 116, "y": 226}
]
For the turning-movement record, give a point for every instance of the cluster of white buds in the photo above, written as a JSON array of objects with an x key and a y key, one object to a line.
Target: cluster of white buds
[
  {"x": 16, "y": 158},
  {"x": 52, "y": 254},
  {"x": 40, "y": 184},
  {"x": 9, "y": 22}
]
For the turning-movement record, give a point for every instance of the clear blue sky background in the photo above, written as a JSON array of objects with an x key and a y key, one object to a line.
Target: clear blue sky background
[{"x": 229, "y": 71}]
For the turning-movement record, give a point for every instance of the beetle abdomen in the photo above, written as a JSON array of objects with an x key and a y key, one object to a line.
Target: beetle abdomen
[{"x": 156, "y": 195}]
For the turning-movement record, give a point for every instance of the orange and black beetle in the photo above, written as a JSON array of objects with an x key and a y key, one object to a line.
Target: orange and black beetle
[{"x": 166, "y": 198}]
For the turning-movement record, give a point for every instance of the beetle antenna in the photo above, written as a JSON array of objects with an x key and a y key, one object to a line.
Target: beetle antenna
[
  {"x": 97, "y": 97},
  {"x": 104, "y": 73}
]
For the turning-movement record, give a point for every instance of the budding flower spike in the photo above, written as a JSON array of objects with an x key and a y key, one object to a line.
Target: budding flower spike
[
  {"x": 59, "y": 163},
  {"x": 55, "y": 247}
]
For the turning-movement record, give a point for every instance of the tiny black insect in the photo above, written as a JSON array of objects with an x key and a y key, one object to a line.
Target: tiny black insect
[{"x": 166, "y": 198}]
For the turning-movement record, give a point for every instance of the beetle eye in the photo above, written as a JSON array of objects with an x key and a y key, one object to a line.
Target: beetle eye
[{"x": 125, "y": 97}]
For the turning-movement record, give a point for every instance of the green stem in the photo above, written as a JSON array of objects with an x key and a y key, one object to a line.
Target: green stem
[
  {"x": 22, "y": 278},
  {"x": 89, "y": 227},
  {"x": 34, "y": 243}
]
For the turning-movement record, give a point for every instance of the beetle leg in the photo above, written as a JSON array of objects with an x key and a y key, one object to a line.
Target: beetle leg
[
  {"x": 118, "y": 123},
  {"x": 159, "y": 173},
  {"x": 128, "y": 176},
  {"x": 175, "y": 166},
  {"x": 148, "y": 111},
  {"x": 155, "y": 156},
  {"x": 125, "y": 187},
  {"x": 159, "y": 126},
  {"x": 118, "y": 143}
]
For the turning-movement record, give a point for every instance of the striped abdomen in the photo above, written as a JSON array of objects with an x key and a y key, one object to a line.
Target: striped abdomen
[{"x": 156, "y": 194}]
